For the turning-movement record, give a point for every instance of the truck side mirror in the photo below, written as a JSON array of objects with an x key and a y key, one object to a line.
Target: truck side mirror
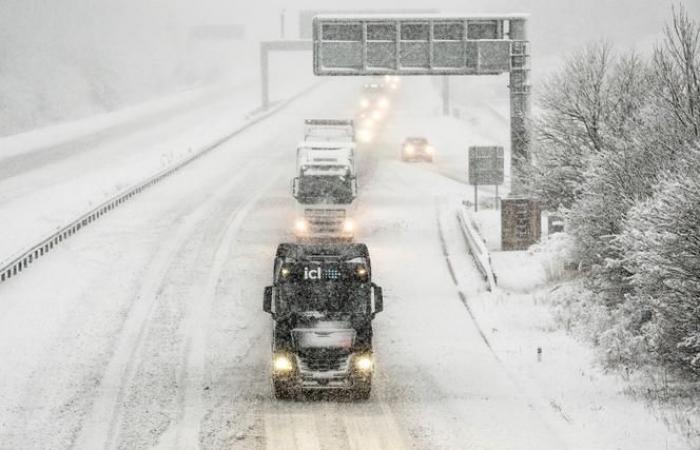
[
  {"x": 295, "y": 187},
  {"x": 267, "y": 299},
  {"x": 378, "y": 299}
]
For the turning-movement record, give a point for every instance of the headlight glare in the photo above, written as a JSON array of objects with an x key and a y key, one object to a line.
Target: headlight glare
[
  {"x": 348, "y": 226},
  {"x": 364, "y": 136},
  {"x": 300, "y": 225},
  {"x": 282, "y": 363},
  {"x": 364, "y": 363}
]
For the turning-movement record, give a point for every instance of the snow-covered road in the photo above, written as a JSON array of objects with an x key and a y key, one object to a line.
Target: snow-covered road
[
  {"x": 146, "y": 330},
  {"x": 50, "y": 176}
]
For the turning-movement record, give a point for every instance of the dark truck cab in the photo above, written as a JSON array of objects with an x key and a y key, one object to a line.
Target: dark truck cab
[{"x": 322, "y": 303}]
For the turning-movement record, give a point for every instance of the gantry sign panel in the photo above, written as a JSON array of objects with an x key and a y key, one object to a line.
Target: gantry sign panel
[{"x": 433, "y": 44}]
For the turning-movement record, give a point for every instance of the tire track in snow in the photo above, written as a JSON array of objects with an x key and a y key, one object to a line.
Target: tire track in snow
[
  {"x": 103, "y": 423},
  {"x": 188, "y": 427}
]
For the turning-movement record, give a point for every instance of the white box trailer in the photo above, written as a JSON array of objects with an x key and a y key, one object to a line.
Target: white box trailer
[{"x": 325, "y": 185}]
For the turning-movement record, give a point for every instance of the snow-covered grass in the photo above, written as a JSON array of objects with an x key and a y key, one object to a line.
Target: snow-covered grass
[{"x": 541, "y": 305}]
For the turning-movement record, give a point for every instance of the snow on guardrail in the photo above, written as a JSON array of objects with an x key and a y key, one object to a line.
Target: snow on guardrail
[
  {"x": 477, "y": 247},
  {"x": 21, "y": 261}
]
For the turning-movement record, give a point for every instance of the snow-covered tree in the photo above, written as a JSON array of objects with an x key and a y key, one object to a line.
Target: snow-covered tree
[
  {"x": 619, "y": 148},
  {"x": 593, "y": 103},
  {"x": 661, "y": 247}
]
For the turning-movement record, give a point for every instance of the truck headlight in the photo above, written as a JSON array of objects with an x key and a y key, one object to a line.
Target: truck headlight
[
  {"x": 348, "y": 226},
  {"x": 383, "y": 102},
  {"x": 364, "y": 103},
  {"x": 430, "y": 149},
  {"x": 282, "y": 364},
  {"x": 364, "y": 363},
  {"x": 300, "y": 226},
  {"x": 409, "y": 149}
]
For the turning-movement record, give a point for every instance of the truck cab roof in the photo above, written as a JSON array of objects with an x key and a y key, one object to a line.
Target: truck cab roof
[
  {"x": 339, "y": 251},
  {"x": 326, "y": 145}
]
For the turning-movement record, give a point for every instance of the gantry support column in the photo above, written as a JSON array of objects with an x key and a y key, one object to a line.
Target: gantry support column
[
  {"x": 519, "y": 104},
  {"x": 269, "y": 46}
]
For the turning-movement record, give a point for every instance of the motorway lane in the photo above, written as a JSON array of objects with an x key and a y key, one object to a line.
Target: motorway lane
[
  {"x": 157, "y": 338},
  {"x": 438, "y": 385},
  {"x": 99, "y": 329}
]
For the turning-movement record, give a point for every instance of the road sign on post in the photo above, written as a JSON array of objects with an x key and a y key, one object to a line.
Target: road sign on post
[{"x": 485, "y": 167}]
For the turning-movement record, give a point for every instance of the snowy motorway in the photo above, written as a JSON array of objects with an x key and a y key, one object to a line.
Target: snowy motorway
[{"x": 146, "y": 330}]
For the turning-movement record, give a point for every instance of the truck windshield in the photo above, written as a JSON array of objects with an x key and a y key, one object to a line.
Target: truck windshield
[
  {"x": 326, "y": 296},
  {"x": 316, "y": 188}
]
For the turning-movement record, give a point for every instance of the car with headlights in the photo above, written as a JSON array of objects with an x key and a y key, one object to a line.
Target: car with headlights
[
  {"x": 322, "y": 302},
  {"x": 417, "y": 149}
]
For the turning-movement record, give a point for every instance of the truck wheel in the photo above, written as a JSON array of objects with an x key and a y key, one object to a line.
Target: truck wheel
[{"x": 282, "y": 390}]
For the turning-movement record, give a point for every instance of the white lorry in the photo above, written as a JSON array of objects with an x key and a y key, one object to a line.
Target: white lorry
[{"x": 325, "y": 185}]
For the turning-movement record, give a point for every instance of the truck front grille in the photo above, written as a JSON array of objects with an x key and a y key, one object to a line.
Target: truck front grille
[
  {"x": 323, "y": 361},
  {"x": 325, "y": 220}
]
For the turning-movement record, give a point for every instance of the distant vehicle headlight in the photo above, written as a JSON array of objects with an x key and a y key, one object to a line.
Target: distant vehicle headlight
[
  {"x": 430, "y": 149},
  {"x": 282, "y": 363},
  {"x": 364, "y": 102},
  {"x": 364, "y": 363},
  {"x": 409, "y": 149},
  {"x": 383, "y": 102},
  {"x": 364, "y": 136},
  {"x": 377, "y": 115}
]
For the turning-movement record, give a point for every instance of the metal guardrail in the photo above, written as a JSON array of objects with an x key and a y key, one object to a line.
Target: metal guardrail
[
  {"x": 22, "y": 260},
  {"x": 477, "y": 247}
]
